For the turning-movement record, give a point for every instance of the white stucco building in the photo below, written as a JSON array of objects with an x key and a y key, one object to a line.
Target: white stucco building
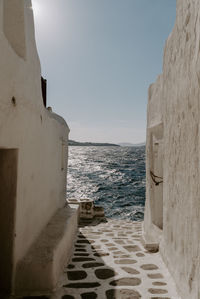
[
  {"x": 172, "y": 217},
  {"x": 33, "y": 159}
]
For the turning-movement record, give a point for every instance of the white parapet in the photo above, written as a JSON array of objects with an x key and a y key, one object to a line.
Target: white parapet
[
  {"x": 87, "y": 208},
  {"x": 39, "y": 271}
]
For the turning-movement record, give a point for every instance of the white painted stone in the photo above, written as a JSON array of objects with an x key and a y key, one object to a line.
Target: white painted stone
[
  {"x": 39, "y": 270},
  {"x": 87, "y": 209},
  {"x": 173, "y": 153},
  {"x": 38, "y": 136}
]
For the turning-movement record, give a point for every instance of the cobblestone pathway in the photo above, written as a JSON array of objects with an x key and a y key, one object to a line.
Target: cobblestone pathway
[{"x": 110, "y": 262}]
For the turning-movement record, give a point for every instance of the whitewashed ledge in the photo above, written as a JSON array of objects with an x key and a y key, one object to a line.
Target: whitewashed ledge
[
  {"x": 39, "y": 271},
  {"x": 87, "y": 209}
]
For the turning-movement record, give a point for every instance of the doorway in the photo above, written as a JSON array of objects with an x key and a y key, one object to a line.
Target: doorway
[
  {"x": 156, "y": 175},
  {"x": 8, "y": 188}
]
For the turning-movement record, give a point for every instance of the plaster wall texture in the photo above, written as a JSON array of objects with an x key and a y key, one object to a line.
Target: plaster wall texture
[
  {"x": 25, "y": 124},
  {"x": 179, "y": 92},
  {"x": 154, "y": 129}
]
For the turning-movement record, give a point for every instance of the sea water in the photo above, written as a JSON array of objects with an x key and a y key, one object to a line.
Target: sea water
[{"x": 114, "y": 177}]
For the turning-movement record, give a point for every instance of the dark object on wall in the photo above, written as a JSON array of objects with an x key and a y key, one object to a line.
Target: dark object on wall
[
  {"x": 153, "y": 176},
  {"x": 13, "y": 101},
  {"x": 8, "y": 191},
  {"x": 44, "y": 90}
]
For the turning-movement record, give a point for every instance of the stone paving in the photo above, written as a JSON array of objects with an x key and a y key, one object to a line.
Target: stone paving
[{"x": 110, "y": 262}]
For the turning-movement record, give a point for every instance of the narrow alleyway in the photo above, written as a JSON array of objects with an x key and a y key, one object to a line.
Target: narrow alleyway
[{"x": 110, "y": 262}]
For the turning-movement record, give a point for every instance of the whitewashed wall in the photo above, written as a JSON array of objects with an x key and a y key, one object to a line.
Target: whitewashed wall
[
  {"x": 179, "y": 93},
  {"x": 39, "y": 135}
]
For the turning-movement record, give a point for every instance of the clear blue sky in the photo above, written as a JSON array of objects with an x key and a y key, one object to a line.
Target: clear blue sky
[{"x": 99, "y": 57}]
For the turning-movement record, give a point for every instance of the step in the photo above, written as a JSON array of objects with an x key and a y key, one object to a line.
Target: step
[{"x": 39, "y": 271}]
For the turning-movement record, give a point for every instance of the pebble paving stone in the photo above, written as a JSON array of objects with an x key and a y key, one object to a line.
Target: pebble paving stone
[
  {"x": 149, "y": 267},
  {"x": 126, "y": 281},
  {"x": 132, "y": 248},
  {"x": 82, "y": 285},
  {"x": 130, "y": 270},
  {"x": 92, "y": 265},
  {"x": 113, "y": 293},
  {"x": 76, "y": 275},
  {"x": 82, "y": 259},
  {"x": 101, "y": 254},
  {"x": 110, "y": 262},
  {"x": 140, "y": 254},
  {"x": 159, "y": 283},
  {"x": 157, "y": 291},
  {"x": 81, "y": 254},
  {"x": 91, "y": 295},
  {"x": 104, "y": 273},
  {"x": 155, "y": 276},
  {"x": 125, "y": 261}
]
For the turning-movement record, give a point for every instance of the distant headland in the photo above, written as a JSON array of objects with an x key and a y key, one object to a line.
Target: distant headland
[
  {"x": 131, "y": 144},
  {"x": 76, "y": 143}
]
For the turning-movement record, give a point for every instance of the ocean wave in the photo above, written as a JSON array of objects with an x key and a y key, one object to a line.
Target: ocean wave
[{"x": 113, "y": 176}]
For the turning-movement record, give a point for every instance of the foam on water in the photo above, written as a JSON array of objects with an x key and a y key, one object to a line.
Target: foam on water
[{"x": 113, "y": 176}]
